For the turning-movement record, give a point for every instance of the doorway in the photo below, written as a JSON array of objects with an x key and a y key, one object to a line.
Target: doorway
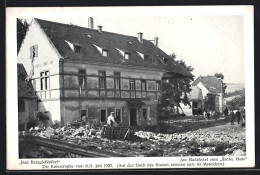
[{"x": 133, "y": 117}]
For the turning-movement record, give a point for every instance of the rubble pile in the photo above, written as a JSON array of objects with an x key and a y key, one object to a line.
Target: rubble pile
[{"x": 147, "y": 143}]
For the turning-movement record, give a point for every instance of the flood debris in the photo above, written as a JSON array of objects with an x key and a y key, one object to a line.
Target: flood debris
[{"x": 216, "y": 141}]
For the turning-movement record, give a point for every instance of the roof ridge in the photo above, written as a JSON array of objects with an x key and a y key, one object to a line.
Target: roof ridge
[{"x": 95, "y": 30}]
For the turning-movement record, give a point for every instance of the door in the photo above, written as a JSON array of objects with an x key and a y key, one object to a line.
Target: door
[{"x": 133, "y": 117}]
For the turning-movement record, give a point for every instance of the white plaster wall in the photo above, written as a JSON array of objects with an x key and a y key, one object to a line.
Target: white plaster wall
[{"x": 203, "y": 90}]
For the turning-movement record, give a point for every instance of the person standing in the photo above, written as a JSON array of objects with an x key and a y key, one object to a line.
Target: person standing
[
  {"x": 226, "y": 113},
  {"x": 232, "y": 117},
  {"x": 111, "y": 120},
  {"x": 238, "y": 115}
]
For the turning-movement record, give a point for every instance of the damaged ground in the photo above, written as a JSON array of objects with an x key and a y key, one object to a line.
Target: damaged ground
[{"x": 179, "y": 137}]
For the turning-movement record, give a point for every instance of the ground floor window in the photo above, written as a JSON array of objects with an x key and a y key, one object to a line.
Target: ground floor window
[
  {"x": 84, "y": 114},
  {"x": 145, "y": 113},
  {"x": 103, "y": 115},
  {"x": 118, "y": 115}
]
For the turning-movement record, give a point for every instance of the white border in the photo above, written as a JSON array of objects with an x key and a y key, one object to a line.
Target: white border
[{"x": 12, "y": 115}]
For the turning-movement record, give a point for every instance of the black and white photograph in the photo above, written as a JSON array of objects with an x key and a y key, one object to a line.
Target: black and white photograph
[{"x": 135, "y": 88}]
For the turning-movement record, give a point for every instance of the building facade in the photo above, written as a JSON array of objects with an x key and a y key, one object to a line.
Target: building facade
[{"x": 80, "y": 71}]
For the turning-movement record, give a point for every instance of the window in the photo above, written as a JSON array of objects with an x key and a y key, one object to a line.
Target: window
[
  {"x": 144, "y": 113},
  {"x": 146, "y": 58},
  {"x": 21, "y": 106},
  {"x": 77, "y": 48},
  {"x": 45, "y": 80},
  {"x": 104, "y": 53},
  {"x": 102, "y": 80},
  {"x": 118, "y": 115},
  {"x": 158, "y": 86},
  {"x": 143, "y": 85},
  {"x": 34, "y": 51},
  {"x": 132, "y": 85},
  {"x": 82, "y": 75},
  {"x": 103, "y": 115},
  {"x": 117, "y": 80},
  {"x": 195, "y": 105},
  {"x": 84, "y": 112},
  {"x": 127, "y": 56}
]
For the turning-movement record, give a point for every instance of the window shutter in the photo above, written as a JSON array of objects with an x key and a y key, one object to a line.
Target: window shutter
[
  {"x": 36, "y": 50},
  {"x": 31, "y": 50}
]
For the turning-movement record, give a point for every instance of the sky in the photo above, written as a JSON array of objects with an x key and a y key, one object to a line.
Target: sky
[{"x": 209, "y": 43}]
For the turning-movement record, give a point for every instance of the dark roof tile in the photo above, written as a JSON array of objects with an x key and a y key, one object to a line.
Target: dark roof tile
[{"x": 87, "y": 38}]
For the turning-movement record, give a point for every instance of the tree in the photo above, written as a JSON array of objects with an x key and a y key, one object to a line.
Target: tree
[
  {"x": 224, "y": 85},
  {"x": 21, "y": 32},
  {"x": 175, "y": 91}
]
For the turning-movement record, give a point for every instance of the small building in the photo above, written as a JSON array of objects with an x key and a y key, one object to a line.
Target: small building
[
  {"x": 212, "y": 92},
  {"x": 196, "y": 106},
  {"x": 197, "y": 102},
  {"x": 27, "y": 98},
  {"x": 78, "y": 71}
]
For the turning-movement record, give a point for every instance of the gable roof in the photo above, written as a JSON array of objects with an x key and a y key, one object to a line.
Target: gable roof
[
  {"x": 212, "y": 83},
  {"x": 25, "y": 88},
  {"x": 60, "y": 34}
]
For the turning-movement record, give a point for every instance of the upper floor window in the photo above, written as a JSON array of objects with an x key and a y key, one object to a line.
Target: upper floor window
[
  {"x": 158, "y": 86},
  {"x": 77, "y": 48},
  {"x": 117, "y": 80},
  {"x": 132, "y": 84},
  {"x": 143, "y": 84},
  {"x": 45, "y": 80},
  {"x": 82, "y": 75},
  {"x": 34, "y": 51},
  {"x": 102, "y": 80}
]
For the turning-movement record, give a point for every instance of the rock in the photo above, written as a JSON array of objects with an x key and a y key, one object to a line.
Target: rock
[{"x": 92, "y": 132}]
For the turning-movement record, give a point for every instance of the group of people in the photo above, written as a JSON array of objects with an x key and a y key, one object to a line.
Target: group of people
[
  {"x": 234, "y": 115},
  {"x": 209, "y": 114}
]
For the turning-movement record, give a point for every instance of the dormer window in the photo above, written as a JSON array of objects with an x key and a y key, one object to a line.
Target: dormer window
[
  {"x": 104, "y": 53},
  {"x": 165, "y": 60},
  {"x": 127, "y": 55},
  {"x": 146, "y": 58},
  {"x": 77, "y": 48}
]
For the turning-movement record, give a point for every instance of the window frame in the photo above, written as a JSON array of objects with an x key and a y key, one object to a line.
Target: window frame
[
  {"x": 76, "y": 48},
  {"x": 86, "y": 113},
  {"x": 147, "y": 113},
  {"x": 131, "y": 82},
  {"x": 102, "y": 77},
  {"x": 127, "y": 55},
  {"x": 158, "y": 86},
  {"x": 145, "y": 85},
  {"x": 100, "y": 114},
  {"x": 104, "y": 52},
  {"x": 121, "y": 119},
  {"x": 45, "y": 80},
  {"x": 117, "y": 78}
]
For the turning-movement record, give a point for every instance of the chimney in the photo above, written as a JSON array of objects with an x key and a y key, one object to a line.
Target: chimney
[
  {"x": 90, "y": 23},
  {"x": 99, "y": 28},
  {"x": 156, "y": 41},
  {"x": 140, "y": 37}
]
